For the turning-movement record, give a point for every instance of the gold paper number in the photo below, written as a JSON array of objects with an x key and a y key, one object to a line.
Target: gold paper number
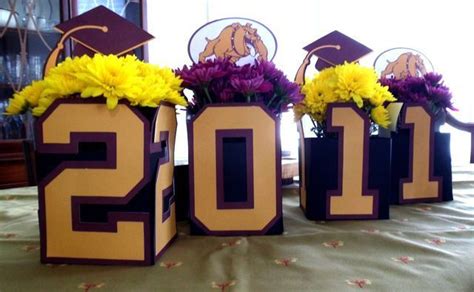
[
  {"x": 165, "y": 230},
  {"x": 204, "y": 165},
  {"x": 421, "y": 145},
  {"x": 128, "y": 242},
  {"x": 350, "y": 199}
]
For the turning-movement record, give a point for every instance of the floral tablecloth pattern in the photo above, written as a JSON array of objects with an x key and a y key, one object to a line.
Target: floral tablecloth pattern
[{"x": 423, "y": 247}]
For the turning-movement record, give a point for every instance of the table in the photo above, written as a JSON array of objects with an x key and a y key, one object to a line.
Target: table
[{"x": 423, "y": 247}]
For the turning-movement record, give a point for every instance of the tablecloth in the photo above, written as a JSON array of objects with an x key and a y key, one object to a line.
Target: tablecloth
[{"x": 423, "y": 247}]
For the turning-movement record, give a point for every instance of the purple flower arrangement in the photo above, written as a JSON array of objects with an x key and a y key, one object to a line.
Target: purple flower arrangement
[
  {"x": 221, "y": 81},
  {"x": 428, "y": 89}
]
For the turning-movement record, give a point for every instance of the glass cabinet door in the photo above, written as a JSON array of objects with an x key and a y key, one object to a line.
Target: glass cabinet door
[{"x": 27, "y": 36}]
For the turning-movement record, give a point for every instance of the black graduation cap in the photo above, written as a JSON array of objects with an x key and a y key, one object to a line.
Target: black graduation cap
[
  {"x": 335, "y": 48},
  {"x": 112, "y": 34}
]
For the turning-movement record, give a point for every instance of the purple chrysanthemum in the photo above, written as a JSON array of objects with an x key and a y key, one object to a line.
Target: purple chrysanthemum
[
  {"x": 201, "y": 74},
  {"x": 221, "y": 81},
  {"x": 428, "y": 89}
]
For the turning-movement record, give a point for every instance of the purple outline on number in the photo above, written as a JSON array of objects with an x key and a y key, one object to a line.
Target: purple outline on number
[
  {"x": 365, "y": 165},
  {"x": 431, "y": 176},
  {"x": 110, "y": 163},
  {"x": 278, "y": 215},
  {"x": 234, "y": 133},
  {"x": 167, "y": 193}
]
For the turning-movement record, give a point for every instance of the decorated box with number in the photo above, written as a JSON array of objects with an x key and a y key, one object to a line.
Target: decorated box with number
[
  {"x": 347, "y": 175},
  {"x": 235, "y": 171},
  {"x": 105, "y": 146},
  {"x": 421, "y": 154},
  {"x": 105, "y": 182},
  {"x": 421, "y": 159},
  {"x": 233, "y": 130},
  {"x": 344, "y": 169}
]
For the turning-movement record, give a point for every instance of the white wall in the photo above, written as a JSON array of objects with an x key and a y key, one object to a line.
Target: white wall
[{"x": 442, "y": 30}]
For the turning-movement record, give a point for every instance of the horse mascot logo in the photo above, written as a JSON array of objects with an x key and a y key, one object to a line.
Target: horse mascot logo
[{"x": 234, "y": 42}]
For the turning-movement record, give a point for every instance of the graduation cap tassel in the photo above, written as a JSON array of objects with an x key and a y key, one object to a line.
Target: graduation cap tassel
[
  {"x": 53, "y": 56},
  {"x": 299, "y": 78}
]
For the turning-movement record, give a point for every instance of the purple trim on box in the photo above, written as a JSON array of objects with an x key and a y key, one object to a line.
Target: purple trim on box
[
  {"x": 139, "y": 217},
  {"x": 192, "y": 215},
  {"x": 156, "y": 147},
  {"x": 165, "y": 248},
  {"x": 432, "y": 177},
  {"x": 164, "y": 137},
  {"x": 301, "y": 170},
  {"x": 168, "y": 196},
  {"x": 234, "y": 133},
  {"x": 365, "y": 167},
  {"x": 110, "y": 163}
]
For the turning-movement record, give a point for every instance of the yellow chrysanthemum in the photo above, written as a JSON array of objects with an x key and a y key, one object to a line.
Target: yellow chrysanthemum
[
  {"x": 299, "y": 110},
  {"x": 349, "y": 82},
  {"x": 380, "y": 116},
  {"x": 329, "y": 77},
  {"x": 71, "y": 66},
  {"x": 381, "y": 95},
  {"x": 58, "y": 86},
  {"x": 113, "y": 77},
  {"x": 28, "y": 97},
  {"x": 16, "y": 105},
  {"x": 318, "y": 93},
  {"x": 33, "y": 92},
  {"x": 159, "y": 84},
  {"x": 43, "y": 104},
  {"x": 355, "y": 82}
]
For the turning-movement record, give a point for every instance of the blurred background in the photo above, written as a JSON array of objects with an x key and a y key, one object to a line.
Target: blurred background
[{"x": 441, "y": 30}]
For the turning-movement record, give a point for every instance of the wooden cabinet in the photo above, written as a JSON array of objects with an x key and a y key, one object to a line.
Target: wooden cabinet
[{"x": 17, "y": 164}]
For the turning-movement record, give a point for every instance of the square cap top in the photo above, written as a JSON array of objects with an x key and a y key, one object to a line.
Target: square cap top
[
  {"x": 110, "y": 33},
  {"x": 335, "y": 48}
]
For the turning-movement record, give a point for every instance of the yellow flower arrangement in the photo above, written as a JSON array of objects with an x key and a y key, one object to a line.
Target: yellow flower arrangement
[
  {"x": 111, "y": 77},
  {"x": 349, "y": 82}
]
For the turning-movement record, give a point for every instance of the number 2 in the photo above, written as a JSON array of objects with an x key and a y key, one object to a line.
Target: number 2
[
  {"x": 126, "y": 236},
  {"x": 165, "y": 211}
]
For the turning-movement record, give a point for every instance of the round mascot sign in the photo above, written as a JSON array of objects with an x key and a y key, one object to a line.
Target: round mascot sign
[{"x": 241, "y": 40}]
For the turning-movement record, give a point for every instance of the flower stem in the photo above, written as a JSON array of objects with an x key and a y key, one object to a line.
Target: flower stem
[
  {"x": 280, "y": 102},
  {"x": 271, "y": 100},
  {"x": 206, "y": 91},
  {"x": 315, "y": 127}
]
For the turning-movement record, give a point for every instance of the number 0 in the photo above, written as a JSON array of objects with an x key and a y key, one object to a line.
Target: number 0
[{"x": 259, "y": 130}]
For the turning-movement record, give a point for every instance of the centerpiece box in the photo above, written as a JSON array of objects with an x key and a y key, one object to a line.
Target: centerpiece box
[
  {"x": 345, "y": 168},
  {"x": 235, "y": 170},
  {"x": 234, "y": 146},
  {"x": 421, "y": 159},
  {"x": 105, "y": 192},
  {"x": 356, "y": 173},
  {"x": 105, "y": 138},
  {"x": 437, "y": 168}
]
